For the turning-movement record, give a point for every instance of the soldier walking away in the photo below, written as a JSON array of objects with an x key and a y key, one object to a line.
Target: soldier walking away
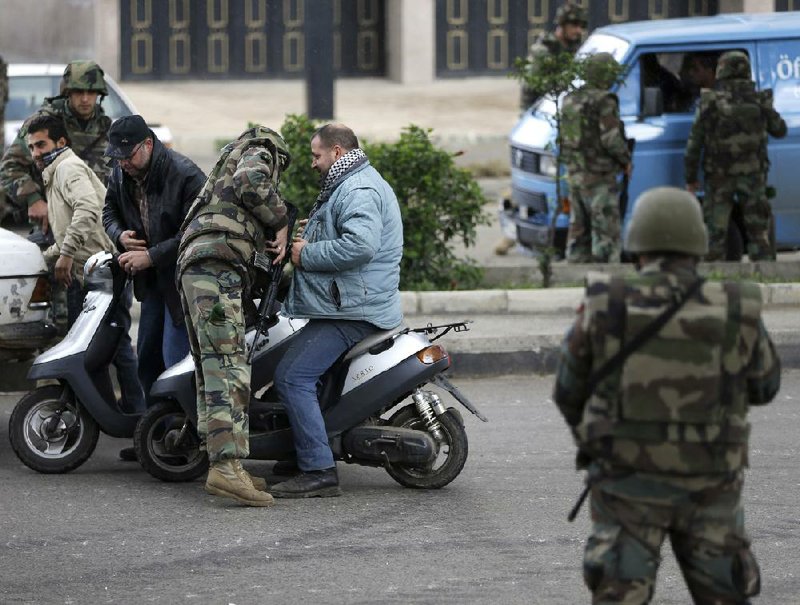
[
  {"x": 229, "y": 221},
  {"x": 730, "y": 131},
  {"x": 595, "y": 151},
  {"x": 655, "y": 379}
]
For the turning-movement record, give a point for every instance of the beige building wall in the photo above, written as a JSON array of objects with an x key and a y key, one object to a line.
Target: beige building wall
[{"x": 411, "y": 41}]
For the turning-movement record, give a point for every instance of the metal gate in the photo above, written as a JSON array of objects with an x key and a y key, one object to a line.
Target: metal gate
[
  {"x": 482, "y": 37},
  {"x": 173, "y": 39}
]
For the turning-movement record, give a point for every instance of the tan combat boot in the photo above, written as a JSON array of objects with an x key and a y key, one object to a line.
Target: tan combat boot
[
  {"x": 257, "y": 482},
  {"x": 228, "y": 479}
]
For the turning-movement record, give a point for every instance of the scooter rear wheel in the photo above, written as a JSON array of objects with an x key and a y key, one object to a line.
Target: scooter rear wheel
[
  {"x": 452, "y": 452},
  {"x": 166, "y": 449},
  {"x": 50, "y": 435}
]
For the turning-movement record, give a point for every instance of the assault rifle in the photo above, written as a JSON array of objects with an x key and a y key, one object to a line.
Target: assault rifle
[{"x": 273, "y": 272}]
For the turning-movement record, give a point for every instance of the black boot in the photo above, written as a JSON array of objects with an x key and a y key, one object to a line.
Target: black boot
[
  {"x": 286, "y": 468},
  {"x": 309, "y": 484}
]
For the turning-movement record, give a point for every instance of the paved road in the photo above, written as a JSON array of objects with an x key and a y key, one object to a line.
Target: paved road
[{"x": 108, "y": 533}]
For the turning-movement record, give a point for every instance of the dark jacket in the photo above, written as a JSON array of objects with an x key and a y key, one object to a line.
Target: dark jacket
[{"x": 172, "y": 184}]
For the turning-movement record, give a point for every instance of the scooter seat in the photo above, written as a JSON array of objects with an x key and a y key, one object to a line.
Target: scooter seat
[{"x": 373, "y": 339}]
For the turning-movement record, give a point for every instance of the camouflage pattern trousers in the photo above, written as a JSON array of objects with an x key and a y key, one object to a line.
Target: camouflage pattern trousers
[
  {"x": 211, "y": 293},
  {"x": 749, "y": 190},
  {"x": 632, "y": 515},
  {"x": 594, "y": 225}
]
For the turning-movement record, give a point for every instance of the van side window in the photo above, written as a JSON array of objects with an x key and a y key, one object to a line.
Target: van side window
[
  {"x": 660, "y": 72},
  {"x": 779, "y": 69}
]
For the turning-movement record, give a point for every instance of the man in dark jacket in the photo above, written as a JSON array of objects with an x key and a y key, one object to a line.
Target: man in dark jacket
[{"x": 149, "y": 193}]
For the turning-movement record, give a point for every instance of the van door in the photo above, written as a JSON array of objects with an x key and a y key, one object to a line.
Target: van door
[
  {"x": 778, "y": 67},
  {"x": 669, "y": 75}
]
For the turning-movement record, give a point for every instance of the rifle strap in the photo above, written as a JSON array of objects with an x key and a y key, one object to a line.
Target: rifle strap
[{"x": 642, "y": 337}]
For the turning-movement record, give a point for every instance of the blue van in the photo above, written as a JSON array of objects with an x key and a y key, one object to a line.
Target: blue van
[{"x": 657, "y": 104}]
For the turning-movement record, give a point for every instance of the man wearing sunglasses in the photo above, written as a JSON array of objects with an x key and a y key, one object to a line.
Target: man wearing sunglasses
[{"x": 149, "y": 193}]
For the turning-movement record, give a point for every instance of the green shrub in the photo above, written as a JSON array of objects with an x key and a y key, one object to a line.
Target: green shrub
[{"x": 440, "y": 203}]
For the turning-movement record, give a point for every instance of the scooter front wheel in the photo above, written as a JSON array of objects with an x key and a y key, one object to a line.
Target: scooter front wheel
[
  {"x": 50, "y": 434},
  {"x": 167, "y": 444},
  {"x": 451, "y": 457}
]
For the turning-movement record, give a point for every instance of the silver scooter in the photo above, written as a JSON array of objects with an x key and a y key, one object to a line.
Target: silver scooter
[{"x": 54, "y": 428}]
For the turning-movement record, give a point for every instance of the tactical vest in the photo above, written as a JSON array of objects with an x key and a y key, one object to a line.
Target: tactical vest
[
  {"x": 217, "y": 225},
  {"x": 580, "y": 132},
  {"x": 679, "y": 403}
]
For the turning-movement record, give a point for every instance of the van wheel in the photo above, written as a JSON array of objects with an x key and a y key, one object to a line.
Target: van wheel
[{"x": 734, "y": 245}]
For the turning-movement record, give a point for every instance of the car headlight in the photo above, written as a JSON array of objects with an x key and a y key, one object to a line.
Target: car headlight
[{"x": 547, "y": 165}]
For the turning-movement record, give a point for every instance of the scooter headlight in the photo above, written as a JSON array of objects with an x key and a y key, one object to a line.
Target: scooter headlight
[{"x": 97, "y": 271}]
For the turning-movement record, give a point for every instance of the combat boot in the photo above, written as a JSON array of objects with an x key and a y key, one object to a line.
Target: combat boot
[
  {"x": 257, "y": 482},
  {"x": 228, "y": 479}
]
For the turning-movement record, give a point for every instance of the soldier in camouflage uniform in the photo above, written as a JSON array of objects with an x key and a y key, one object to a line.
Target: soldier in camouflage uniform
[
  {"x": 571, "y": 23},
  {"x": 730, "y": 131},
  {"x": 594, "y": 149},
  {"x": 78, "y": 104},
  {"x": 231, "y": 218},
  {"x": 661, "y": 422}
]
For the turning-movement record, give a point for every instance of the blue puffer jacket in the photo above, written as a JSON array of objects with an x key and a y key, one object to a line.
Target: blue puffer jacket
[{"x": 350, "y": 267}]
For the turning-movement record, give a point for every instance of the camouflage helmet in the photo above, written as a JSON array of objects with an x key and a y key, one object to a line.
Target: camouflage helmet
[
  {"x": 733, "y": 65},
  {"x": 256, "y": 131},
  {"x": 601, "y": 70},
  {"x": 83, "y": 75},
  {"x": 571, "y": 13},
  {"x": 667, "y": 219}
]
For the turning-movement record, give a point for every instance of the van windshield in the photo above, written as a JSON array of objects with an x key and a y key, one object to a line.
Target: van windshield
[{"x": 596, "y": 43}]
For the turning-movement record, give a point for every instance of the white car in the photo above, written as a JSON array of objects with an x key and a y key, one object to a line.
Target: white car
[
  {"x": 24, "y": 298},
  {"x": 30, "y": 83}
]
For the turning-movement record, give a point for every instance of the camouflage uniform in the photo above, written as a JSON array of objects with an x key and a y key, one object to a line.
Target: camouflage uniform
[
  {"x": 21, "y": 180},
  {"x": 664, "y": 434},
  {"x": 18, "y": 175},
  {"x": 229, "y": 221},
  {"x": 730, "y": 130},
  {"x": 595, "y": 151},
  {"x": 548, "y": 44}
]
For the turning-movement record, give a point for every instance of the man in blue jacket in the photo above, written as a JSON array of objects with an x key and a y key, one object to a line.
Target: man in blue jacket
[{"x": 346, "y": 280}]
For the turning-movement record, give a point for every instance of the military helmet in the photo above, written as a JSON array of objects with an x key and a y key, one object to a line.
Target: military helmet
[
  {"x": 667, "y": 219},
  {"x": 733, "y": 65},
  {"x": 256, "y": 131},
  {"x": 83, "y": 75},
  {"x": 571, "y": 13},
  {"x": 601, "y": 70}
]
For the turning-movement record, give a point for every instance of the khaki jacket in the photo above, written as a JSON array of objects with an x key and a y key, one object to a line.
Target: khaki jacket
[{"x": 75, "y": 199}]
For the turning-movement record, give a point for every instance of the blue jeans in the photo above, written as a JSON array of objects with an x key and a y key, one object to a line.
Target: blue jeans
[
  {"x": 160, "y": 343},
  {"x": 315, "y": 349},
  {"x": 124, "y": 360}
]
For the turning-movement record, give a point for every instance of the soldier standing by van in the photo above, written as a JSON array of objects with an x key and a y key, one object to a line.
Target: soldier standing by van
[
  {"x": 595, "y": 151},
  {"x": 730, "y": 131},
  {"x": 655, "y": 379}
]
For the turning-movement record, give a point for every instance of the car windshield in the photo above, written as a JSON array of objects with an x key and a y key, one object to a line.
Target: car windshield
[
  {"x": 26, "y": 94},
  {"x": 596, "y": 43}
]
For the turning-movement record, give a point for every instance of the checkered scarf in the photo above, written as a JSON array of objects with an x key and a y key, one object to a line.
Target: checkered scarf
[
  {"x": 49, "y": 158},
  {"x": 340, "y": 169}
]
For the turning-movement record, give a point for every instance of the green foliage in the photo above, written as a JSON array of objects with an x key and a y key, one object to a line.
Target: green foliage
[{"x": 440, "y": 203}]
